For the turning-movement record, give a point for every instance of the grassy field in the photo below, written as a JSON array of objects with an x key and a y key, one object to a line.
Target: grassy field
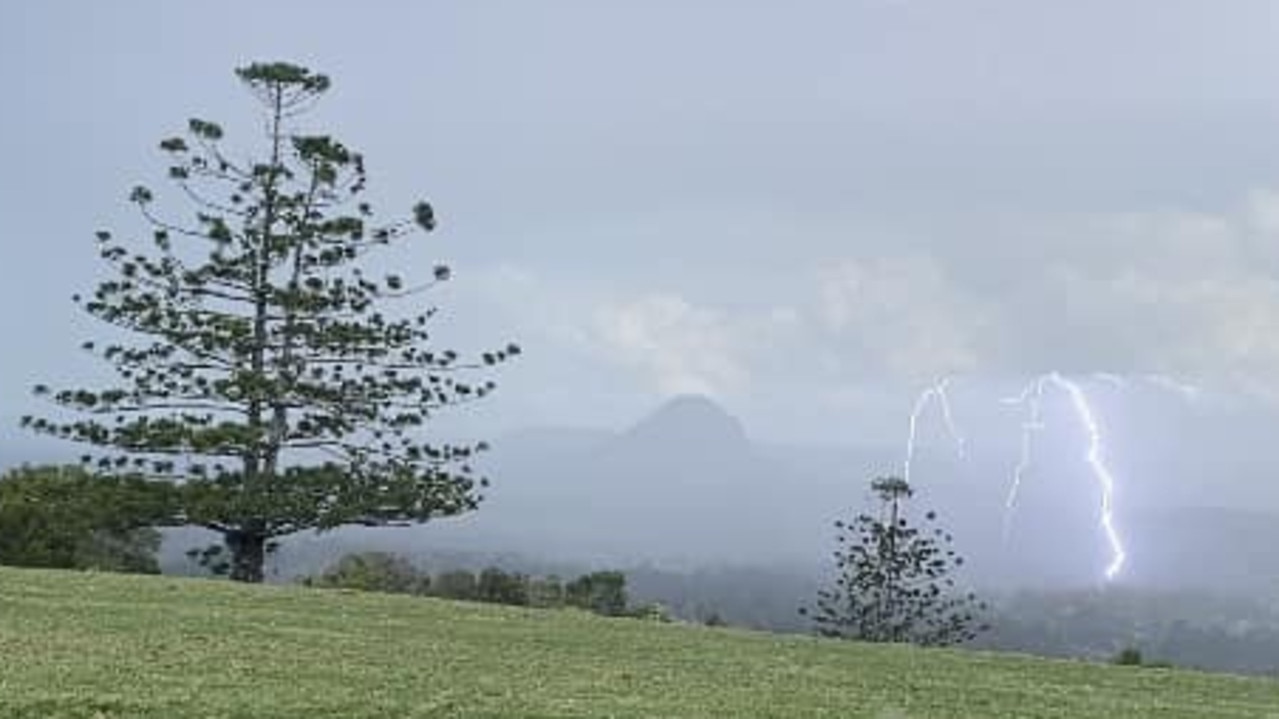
[{"x": 106, "y": 646}]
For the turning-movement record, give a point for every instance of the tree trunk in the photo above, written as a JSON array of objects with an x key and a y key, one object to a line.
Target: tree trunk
[{"x": 248, "y": 555}]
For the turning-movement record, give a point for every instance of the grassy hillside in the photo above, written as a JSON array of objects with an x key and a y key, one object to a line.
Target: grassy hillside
[{"x": 85, "y": 645}]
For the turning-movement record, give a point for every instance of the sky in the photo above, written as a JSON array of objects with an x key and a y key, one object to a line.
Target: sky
[{"x": 806, "y": 210}]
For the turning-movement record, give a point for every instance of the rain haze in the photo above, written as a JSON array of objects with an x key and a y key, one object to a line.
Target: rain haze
[{"x": 736, "y": 240}]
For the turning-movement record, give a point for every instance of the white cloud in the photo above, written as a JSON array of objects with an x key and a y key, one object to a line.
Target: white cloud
[
  {"x": 679, "y": 347},
  {"x": 1223, "y": 326},
  {"x": 643, "y": 342},
  {"x": 902, "y": 316},
  {"x": 1186, "y": 294},
  {"x": 1192, "y": 295}
]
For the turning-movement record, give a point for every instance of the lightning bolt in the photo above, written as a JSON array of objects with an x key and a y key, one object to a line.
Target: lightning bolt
[
  {"x": 1188, "y": 392},
  {"x": 1031, "y": 398},
  {"x": 933, "y": 393}
]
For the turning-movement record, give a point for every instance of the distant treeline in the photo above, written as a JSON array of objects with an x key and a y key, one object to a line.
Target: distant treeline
[{"x": 601, "y": 592}]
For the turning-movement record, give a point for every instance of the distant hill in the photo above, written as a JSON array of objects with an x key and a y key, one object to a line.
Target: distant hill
[{"x": 684, "y": 419}]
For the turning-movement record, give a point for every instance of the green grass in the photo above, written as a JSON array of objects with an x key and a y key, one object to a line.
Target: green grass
[{"x": 106, "y": 646}]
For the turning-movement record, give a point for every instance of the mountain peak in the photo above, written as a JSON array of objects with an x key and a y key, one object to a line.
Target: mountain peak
[{"x": 691, "y": 417}]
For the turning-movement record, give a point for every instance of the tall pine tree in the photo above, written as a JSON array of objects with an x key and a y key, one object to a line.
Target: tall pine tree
[{"x": 269, "y": 380}]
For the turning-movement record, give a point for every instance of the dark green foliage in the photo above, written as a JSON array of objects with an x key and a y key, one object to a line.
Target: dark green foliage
[
  {"x": 893, "y": 582},
  {"x": 374, "y": 572},
  {"x": 275, "y": 381},
  {"x": 1132, "y": 657},
  {"x": 456, "y": 584},
  {"x": 62, "y": 517},
  {"x": 1128, "y": 657},
  {"x": 600, "y": 592},
  {"x": 499, "y": 587},
  {"x": 713, "y": 619}
]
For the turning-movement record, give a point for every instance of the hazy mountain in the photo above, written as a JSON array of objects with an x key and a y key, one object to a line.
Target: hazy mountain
[
  {"x": 685, "y": 418},
  {"x": 682, "y": 485}
]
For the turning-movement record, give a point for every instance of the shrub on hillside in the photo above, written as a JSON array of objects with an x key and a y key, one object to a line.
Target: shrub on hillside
[
  {"x": 499, "y": 587},
  {"x": 374, "y": 572},
  {"x": 600, "y": 592},
  {"x": 1132, "y": 657}
]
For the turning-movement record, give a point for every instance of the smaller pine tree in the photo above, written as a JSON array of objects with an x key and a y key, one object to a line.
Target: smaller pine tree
[{"x": 894, "y": 582}]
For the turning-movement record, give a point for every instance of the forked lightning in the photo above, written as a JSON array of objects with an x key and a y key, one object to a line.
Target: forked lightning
[{"x": 1031, "y": 398}]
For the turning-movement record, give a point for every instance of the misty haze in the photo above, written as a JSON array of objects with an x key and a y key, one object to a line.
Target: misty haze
[{"x": 737, "y": 261}]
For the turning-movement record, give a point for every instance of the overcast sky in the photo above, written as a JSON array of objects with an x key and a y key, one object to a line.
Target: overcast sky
[{"x": 807, "y": 210}]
